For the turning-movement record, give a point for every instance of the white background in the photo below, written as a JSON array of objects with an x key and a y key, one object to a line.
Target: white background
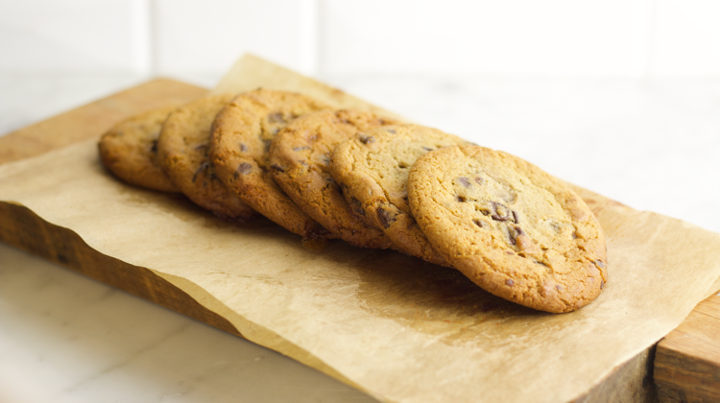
[
  {"x": 619, "y": 96},
  {"x": 578, "y": 38}
]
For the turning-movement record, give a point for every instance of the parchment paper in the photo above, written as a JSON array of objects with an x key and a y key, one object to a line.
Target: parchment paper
[{"x": 398, "y": 328}]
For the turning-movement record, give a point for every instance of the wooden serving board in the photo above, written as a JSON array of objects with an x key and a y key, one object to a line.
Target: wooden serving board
[{"x": 683, "y": 367}]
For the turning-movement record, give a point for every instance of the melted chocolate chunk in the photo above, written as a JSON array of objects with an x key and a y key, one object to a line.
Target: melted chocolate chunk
[
  {"x": 277, "y": 168},
  {"x": 497, "y": 216},
  {"x": 356, "y": 205},
  {"x": 243, "y": 148},
  {"x": 205, "y": 165},
  {"x": 464, "y": 181},
  {"x": 478, "y": 223},
  {"x": 385, "y": 217},
  {"x": 365, "y": 139},
  {"x": 511, "y": 237},
  {"x": 461, "y": 199},
  {"x": 600, "y": 264},
  {"x": 515, "y": 217},
  {"x": 243, "y": 169},
  {"x": 513, "y": 233}
]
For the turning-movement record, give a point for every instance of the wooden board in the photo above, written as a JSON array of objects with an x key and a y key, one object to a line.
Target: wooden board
[{"x": 686, "y": 364}]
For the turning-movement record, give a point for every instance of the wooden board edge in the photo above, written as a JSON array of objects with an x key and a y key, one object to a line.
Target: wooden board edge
[
  {"x": 687, "y": 362},
  {"x": 25, "y": 230}
]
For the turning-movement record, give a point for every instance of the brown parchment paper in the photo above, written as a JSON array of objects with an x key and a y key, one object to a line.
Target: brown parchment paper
[{"x": 398, "y": 328}]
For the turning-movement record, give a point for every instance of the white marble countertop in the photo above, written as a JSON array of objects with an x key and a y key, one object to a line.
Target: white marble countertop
[{"x": 654, "y": 145}]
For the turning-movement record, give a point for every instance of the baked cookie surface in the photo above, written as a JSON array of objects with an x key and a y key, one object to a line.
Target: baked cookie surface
[
  {"x": 129, "y": 150},
  {"x": 299, "y": 161},
  {"x": 241, "y": 138},
  {"x": 372, "y": 170},
  {"x": 511, "y": 228},
  {"x": 183, "y": 155}
]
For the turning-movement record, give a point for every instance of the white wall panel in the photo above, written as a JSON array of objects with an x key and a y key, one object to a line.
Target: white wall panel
[
  {"x": 553, "y": 37},
  {"x": 207, "y": 36},
  {"x": 687, "y": 39},
  {"x": 55, "y": 36}
]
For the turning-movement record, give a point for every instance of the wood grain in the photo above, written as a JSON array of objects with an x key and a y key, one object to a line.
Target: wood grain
[{"x": 686, "y": 363}]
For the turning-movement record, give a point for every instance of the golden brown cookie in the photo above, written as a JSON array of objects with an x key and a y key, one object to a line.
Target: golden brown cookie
[
  {"x": 372, "y": 168},
  {"x": 129, "y": 150},
  {"x": 511, "y": 228},
  {"x": 183, "y": 155},
  {"x": 299, "y": 158},
  {"x": 241, "y": 138}
]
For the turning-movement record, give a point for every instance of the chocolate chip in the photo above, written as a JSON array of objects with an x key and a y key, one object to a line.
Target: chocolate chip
[
  {"x": 276, "y": 117},
  {"x": 509, "y": 282},
  {"x": 497, "y": 216},
  {"x": 478, "y": 223},
  {"x": 479, "y": 180},
  {"x": 403, "y": 165},
  {"x": 428, "y": 148},
  {"x": 515, "y": 217},
  {"x": 385, "y": 218},
  {"x": 392, "y": 131},
  {"x": 243, "y": 169},
  {"x": 513, "y": 233},
  {"x": 296, "y": 149},
  {"x": 600, "y": 264},
  {"x": 464, "y": 181},
  {"x": 461, "y": 199},
  {"x": 365, "y": 139},
  {"x": 203, "y": 167},
  {"x": 356, "y": 205},
  {"x": 153, "y": 146},
  {"x": 574, "y": 235},
  {"x": 558, "y": 287},
  {"x": 277, "y": 168},
  {"x": 602, "y": 284},
  {"x": 267, "y": 143},
  {"x": 243, "y": 148}
]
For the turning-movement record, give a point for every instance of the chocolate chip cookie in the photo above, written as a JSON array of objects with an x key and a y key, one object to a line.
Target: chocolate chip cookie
[
  {"x": 299, "y": 159},
  {"x": 183, "y": 155},
  {"x": 372, "y": 168},
  {"x": 511, "y": 228},
  {"x": 129, "y": 150},
  {"x": 242, "y": 133}
]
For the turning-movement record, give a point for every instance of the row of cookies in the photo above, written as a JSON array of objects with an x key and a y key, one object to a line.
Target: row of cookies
[{"x": 373, "y": 182}]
